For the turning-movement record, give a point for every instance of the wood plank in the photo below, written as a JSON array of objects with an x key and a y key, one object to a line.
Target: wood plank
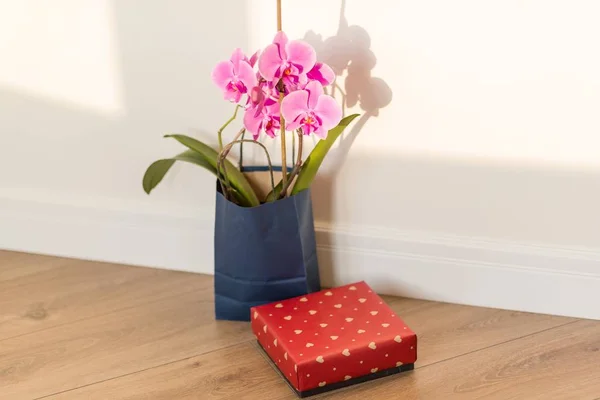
[
  {"x": 445, "y": 331},
  {"x": 15, "y": 265},
  {"x": 560, "y": 363},
  {"x": 238, "y": 372},
  {"x": 448, "y": 330},
  {"x": 63, "y": 291},
  {"x": 112, "y": 345}
]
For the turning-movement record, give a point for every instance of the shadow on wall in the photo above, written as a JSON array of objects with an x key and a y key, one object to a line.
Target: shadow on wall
[{"x": 349, "y": 54}]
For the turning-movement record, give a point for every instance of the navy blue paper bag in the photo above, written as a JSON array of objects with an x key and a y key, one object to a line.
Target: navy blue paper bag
[{"x": 263, "y": 254}]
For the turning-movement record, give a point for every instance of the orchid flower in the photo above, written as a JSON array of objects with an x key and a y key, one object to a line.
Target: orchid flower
[
  {"x": 234, "y": 77},
  {"x": 286, "y": 60},
  {"x": 322, "y": 73},
  {"x": 254, "y": 58},
  {"x": 311, "y": 110},
  {"x": 266, "y": 119}
]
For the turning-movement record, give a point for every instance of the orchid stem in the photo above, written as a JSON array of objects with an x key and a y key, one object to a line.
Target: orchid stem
[
  {"x": 297, "y": 166},
  {"x": 279, "y": 15},
  {"x": 293, "y": 147},
  {"x": 282, "y": 121},
  {"x": 241, "y": 162},
  {"x": 283, "y": 146},
  {"x": 230, "y": 120},
  {"x": 221, "y": 157}
]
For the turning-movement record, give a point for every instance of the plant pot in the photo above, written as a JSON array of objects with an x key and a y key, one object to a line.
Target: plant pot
[{"x": 263, "y": 254}]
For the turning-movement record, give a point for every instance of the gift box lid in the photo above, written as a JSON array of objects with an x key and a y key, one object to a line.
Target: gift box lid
[{"x": 341, "y": 335}]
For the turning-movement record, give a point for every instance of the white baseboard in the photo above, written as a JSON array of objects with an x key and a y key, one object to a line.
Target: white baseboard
[
  {"x": 474, "y": 271},
  {"x": 114, "y": 235},
  {"x": 465, "y": 270}
]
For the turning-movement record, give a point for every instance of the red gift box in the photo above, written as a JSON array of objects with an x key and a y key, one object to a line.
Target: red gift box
[{"x": 334, "y": 338}]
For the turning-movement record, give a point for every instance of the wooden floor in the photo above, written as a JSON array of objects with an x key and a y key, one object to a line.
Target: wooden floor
[{"x": 79, "y": 330}]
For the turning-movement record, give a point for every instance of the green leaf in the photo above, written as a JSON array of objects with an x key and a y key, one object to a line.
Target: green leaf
[
  {"x": 315, "y": 159},
  {"x": 238, "y": 181},
  {"x": 158, "y": 169},
  {"x": 274, "y": 194}
]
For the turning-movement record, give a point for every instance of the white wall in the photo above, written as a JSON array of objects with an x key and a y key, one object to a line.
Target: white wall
[{"x": 474, "y": 168}]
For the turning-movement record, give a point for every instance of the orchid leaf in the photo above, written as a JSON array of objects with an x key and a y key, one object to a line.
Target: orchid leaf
[
  {"x": 274, "y": 194},
  {"x": 206, "y": 157},
  {"x": 236, "y": 178},
  {"x": 317, "y": 155},
  {"x": 158, "y": 169}
]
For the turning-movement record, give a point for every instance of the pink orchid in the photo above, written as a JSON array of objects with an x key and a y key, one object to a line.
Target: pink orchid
[
  {"x": 265, "y": 119},
  {"x": 322, "y": 73},
  {"x": 287, "y": 60},
  {"x": 257, "y": 98},
  {"x": 261, "y": 96},
  {"x": 235, "y": 77},
  {"x": 254, "y": 58},
  {"x": 311, "y": 110}
]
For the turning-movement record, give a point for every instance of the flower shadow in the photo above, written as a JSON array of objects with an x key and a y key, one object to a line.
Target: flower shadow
[{"x": 349, "y": 54}]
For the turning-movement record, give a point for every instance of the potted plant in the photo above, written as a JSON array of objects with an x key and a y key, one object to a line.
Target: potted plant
[{"x": 265, "y": 246}]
